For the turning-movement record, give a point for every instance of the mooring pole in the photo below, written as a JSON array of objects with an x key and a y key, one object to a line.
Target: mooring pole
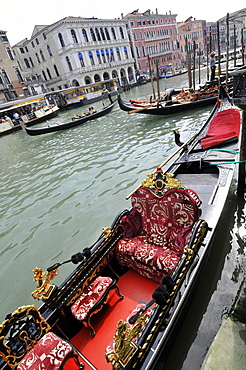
[{"x": 241, "y": 168}]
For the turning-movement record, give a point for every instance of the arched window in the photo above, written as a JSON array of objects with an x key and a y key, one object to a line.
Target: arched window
[
  {"x": 98, "y": 34},
  {"x": 126, "y": 52},
  {"x": 111, "y": 55},
  {"x": 107, "y": 55},
  {"x": 118, "y": 53},
  {"x": 122, "y": 33},
  {"x": 18, "y": 74},
  {"x": 113, "y": 33},
  {"x": 91, "y": 58},
  {"x": 103, "y": 56},
  {"x": 56, "y": 70},
  {"x": 74, "y": 36},
  {"x": 37, "y": 57},
  {"x": 93, "y": 34},
  {"x": 9, "y": 52},
  {"x": 107, "y": 33},
  {"x": 61, "y": 40},
  {"x": 98, "y": 57},
  {"x": 48, "y": 72},
  {"x": 102, "y": 34},
  {"x": 32, "y": 64},
  {"x": 69, "y": 63},
  {"x": 42, "y": 56},
  {"x": 26, "y": 63},
  {"x": 44, "y": 75},
  {"x": 81, "y": 59},
  {"x": 84, "y": 33},
  {"x": 49, "y": 50}
]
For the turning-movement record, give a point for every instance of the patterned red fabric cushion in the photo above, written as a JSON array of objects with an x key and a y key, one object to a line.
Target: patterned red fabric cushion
[
  {"x": 48, "y": 354},
  {"x": 164, "y": 217},
  {"x": 167, "y": 222},
  {"x": 147, "y": 259},
  {"x": 90, "y": 297}
]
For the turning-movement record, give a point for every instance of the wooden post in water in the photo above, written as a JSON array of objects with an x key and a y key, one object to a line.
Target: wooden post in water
[
  {"x": 218, "y": 36},
  {"x": 158, "y": 78},
  {"x": 227, "y": 48},
  {"x": 241, "y": 168},
  {"x": 188, "y": 64},
  {"x": 242, "y": 43},
  {"x": 235, "y": 46},
  {"x": 207, "y": 63},
  {"x": 151, "y": 78},
  {"x": 194, "y": 65},
  {"x": 199, "y": 67}
]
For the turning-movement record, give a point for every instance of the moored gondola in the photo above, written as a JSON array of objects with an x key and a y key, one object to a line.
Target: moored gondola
[
  {"x": 122, "y": 305},
  {"x": 176, "y": 104},
  {"x": 53, "y": 127}
]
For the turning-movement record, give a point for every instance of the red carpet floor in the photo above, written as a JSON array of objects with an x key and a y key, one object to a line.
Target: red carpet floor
[{"x": 135, "y": 289}]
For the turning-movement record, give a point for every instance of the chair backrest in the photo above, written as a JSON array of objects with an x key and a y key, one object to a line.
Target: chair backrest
[
  {"x": 19, "y": 333},
  {"x": 163, "y": 217}
]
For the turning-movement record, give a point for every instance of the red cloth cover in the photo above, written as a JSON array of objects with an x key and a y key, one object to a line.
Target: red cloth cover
[
  {"x": 166, "y": 222},
  {"x": 90, "y": 297},
  {"x": 224, "y": 126},
  {"x": 47, "y": 354}
]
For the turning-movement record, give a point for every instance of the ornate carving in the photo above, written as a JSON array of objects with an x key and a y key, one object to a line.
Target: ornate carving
[
  {"x": 160, "y": 182},
  {"x": 43, "y": 278},
  {"x": 124, "y": 347}
]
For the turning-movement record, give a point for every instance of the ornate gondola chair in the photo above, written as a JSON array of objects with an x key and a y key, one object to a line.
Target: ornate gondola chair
[
  {"x": 159, "y": 226},
  {"x": 92, "y": 300},
  {"x": 26, "y": 342}
]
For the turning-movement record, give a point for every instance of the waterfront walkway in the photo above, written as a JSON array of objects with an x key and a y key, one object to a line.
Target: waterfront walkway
[{"x": 228, "y": 350}]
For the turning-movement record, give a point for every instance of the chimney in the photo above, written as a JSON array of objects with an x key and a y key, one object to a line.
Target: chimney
[{"x": 156, "y": 11}]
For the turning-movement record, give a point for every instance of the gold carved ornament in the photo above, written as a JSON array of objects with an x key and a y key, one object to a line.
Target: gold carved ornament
[
  {"x": 125, "y": 348},
  {"x": 161, "y": 182},
  {"x": 43, "y": 278}
]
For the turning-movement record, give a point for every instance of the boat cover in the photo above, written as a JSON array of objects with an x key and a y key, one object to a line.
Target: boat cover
[{"x": 223, "y": 127}]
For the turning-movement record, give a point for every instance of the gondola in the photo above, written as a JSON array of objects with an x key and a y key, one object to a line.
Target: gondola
[
  {"x": 53, "y": 127},
  {"x": 123, "y": 304},
  {"x": 167, "y": 107}
]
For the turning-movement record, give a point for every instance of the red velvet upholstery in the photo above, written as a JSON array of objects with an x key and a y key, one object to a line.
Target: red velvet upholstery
[
  {"x": 47, "y": 354},
  {"x": 93, "y": 299},
  {"x": 166, "y": 225}
]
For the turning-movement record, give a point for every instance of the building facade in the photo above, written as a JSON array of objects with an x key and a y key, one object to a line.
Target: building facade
[
  {"x": 154, "y": 40},
  {"x": 76, "y": 51},
  {"x": 192, "y": 35},
  {"x": 12, "y": 84}
]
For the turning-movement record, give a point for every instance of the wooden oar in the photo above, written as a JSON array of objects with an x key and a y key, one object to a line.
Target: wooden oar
[{"x": 167, "y": 160}]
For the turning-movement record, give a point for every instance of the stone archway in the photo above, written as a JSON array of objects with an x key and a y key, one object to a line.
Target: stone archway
[
  {"x": 75, "y": 83},
  {"x": 88, "y": 80},
  {"x": 106, "y": 76},
  {"x": 97, "y": 78}
]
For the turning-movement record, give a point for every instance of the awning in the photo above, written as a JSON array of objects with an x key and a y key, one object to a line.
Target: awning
[{"x": 165, "y": 66}]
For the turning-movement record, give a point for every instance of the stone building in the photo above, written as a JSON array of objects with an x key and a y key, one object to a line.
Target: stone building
[
  {"x": 192, "y": 34},
  {"x": 76, "y": 51},
  {"x": 154, "y": 40},
  {"x": 12, "y": 84}
]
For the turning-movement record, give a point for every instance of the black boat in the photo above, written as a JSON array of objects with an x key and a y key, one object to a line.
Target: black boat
[
  {"x": 53, "y": 127},
  {"x": 168, "y": 107},
  {"x": 122, "y": 305}
]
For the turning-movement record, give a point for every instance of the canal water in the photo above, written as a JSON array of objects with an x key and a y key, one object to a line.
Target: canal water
[{"x": 58, "y": 191}]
